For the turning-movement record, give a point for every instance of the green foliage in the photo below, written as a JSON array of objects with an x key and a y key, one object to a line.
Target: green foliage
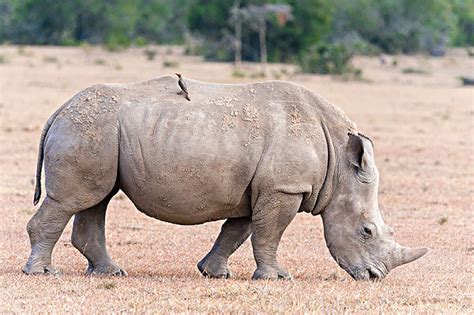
[
  {"x": 48, "y": 20},
  {"x": 210, "y": 19},
  {"x": 162, "y": 21},
  {"x": 360, "y": 26},
  {"x": 327, "y": 59},
  {"x": 310, "y": 23},
  {"x": 238, "y": 74},
  {"x": 115, "y": 23},
  {"x": 396, "y": 25},
  {"x": 7, "y": 8},
  {"x": 120, "y": 22},
  {"x": 464, "y": 12},
  {"x": 140, "y": 41}
]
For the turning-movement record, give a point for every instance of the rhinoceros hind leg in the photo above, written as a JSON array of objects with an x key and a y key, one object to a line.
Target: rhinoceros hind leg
[
  {"x": 233, "y": 233},
  {"x": 44, "y": 230},
  {"x": 271, "y": 215},
  {"x": 88, "y": 236}
]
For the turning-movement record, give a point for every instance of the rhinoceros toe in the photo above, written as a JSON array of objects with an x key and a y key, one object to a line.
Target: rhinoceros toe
[
  {"x": 214, "y": 268},
  {"x": 271, "y": 274},
  {"x": 40, "y": 270},
  {"x": 110, "y": 270}
]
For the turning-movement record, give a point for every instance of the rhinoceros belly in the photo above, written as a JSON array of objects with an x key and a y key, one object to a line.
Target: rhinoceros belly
[{"x": 181, "y": 165}]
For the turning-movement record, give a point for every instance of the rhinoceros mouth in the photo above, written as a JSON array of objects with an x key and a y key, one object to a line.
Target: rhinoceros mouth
[
  {"x": 374, "y": 274},
  {"x": 366, "y": 274}
]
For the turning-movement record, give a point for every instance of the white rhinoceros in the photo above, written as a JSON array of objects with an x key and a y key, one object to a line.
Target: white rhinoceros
[{"x": 253, "y": 154}]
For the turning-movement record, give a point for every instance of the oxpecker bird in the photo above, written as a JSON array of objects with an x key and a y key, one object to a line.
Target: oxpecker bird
[{"x": 184, "y": 88}]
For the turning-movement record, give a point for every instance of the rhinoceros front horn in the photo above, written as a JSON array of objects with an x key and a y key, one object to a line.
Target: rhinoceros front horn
[{"x": 403, "y": 255}]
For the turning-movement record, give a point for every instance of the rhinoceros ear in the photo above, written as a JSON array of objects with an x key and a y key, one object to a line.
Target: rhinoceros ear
[{"x": 360, "y": 153}]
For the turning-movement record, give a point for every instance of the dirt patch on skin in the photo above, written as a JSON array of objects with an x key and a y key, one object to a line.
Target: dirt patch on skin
[
  {"x": 250, "y": 115},
  {"x": 87, "y": 107},
  {"x": 229, "y": 120},
  {"x": 422, "y": 127}
]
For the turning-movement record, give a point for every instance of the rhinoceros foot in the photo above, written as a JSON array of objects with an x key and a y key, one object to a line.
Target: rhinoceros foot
[
  {"x": 214, "y": 267},
  {"x": 271, "y": 274},
  {"x": 38, "y": 269},
  {"x": 107, "y": 269}
]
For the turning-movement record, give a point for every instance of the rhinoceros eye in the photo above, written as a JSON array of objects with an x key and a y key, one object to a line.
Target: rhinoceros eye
[{"x": 368, "y": 231}]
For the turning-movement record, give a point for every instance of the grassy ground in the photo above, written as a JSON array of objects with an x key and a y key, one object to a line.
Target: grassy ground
[{"x": 422, "y": 125}]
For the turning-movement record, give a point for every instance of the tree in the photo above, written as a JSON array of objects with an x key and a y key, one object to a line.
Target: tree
[
  {"x": 210, "y": 19},
  {"x": 396, "y": 25},
  {"x": 7, "y": 8},
  {"x": 310, "y": 25},
  {"x": 236, "y": 19},
  {"x": 464, "y": 12},
  {"x": 43, "y": 22},
  {"x": 257, "y": 18},
  {"x": 162, "y": 20}
]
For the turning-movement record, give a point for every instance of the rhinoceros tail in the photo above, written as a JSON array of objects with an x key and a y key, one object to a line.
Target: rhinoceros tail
[{"x": 39, "y": 164}]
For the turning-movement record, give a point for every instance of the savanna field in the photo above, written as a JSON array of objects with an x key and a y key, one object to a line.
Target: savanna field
[{"x": 415, "y": 109}]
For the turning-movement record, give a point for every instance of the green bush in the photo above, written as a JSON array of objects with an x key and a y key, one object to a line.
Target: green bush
[
  {"x": 213, "y": 50},
  {"x": 361, "y": 26},
  {"x": 116, "y": 42},
  {"x": 464, "y": 11},
  {"x": 327, "y": 59},
  {"x": 210, "y": 19},
  {"x": 140, "y": 41},
  {"x": 396, "y": 26},
  {"x": 238, "y": 74}
]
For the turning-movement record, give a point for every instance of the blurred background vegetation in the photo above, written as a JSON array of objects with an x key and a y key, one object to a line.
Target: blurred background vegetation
[{"x": 320, "y": 35}]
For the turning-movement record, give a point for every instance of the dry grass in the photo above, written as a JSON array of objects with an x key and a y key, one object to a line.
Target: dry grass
[{"x": 423, "y": 132}]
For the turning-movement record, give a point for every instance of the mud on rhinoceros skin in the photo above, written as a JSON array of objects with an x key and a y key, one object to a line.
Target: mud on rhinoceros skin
[{"x": 253, "y": 154}]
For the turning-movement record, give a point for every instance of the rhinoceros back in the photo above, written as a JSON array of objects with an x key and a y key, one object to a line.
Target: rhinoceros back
[{"x": 190, "y": 162}]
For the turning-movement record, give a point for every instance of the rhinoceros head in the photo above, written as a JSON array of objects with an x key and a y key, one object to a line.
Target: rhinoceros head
[{"x": 356, "y": 235}]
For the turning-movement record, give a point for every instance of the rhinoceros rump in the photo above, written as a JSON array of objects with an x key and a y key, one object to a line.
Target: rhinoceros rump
[{"x": 254, "y": 154}]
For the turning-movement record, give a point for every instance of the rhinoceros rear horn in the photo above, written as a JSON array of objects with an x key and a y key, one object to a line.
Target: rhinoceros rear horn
[{"x": 404, "y": 255}]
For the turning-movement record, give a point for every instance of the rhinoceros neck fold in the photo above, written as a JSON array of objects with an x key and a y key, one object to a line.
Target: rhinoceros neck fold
[{"x": 325, "y": 193}]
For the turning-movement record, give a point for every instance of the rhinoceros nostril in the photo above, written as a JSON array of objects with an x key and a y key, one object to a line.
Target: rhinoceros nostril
[{"x": 374, "y": 276}]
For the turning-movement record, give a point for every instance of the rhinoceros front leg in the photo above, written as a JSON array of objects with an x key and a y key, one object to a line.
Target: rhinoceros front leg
[
  {"x": 233, "y": 233},
  {"x": 271, "y": 215},
  {"x": 88, "y": 236}
]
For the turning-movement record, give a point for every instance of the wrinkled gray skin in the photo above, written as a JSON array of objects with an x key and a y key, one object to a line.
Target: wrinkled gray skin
[{"x": 255, "y": 155}]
